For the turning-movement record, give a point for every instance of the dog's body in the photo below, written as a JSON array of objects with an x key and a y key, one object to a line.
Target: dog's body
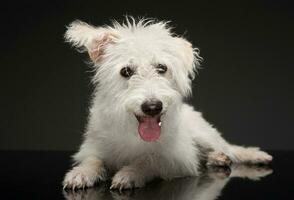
[{"x": 139, "y": 128}]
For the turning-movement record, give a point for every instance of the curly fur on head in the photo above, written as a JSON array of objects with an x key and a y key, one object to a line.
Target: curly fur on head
[{"x": 134, "y": 36}]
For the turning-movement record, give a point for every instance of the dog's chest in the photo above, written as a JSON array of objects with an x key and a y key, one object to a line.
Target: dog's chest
[{"x": 119, "y": 152}]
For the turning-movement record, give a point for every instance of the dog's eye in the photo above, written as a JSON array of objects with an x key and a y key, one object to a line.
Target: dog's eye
[
  {"x": 126, "y": 72},
  {"x": 161, "y": 68}
]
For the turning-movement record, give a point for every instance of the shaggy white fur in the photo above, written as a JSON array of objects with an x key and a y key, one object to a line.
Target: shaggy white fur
[{"x": 138, "y": 62}]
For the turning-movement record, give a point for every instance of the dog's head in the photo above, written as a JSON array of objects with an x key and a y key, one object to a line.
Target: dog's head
[{"x": 140, "y": 68}]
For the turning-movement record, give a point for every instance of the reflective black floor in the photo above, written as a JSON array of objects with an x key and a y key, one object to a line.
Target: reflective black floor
[{"x": 38, "y": 175}]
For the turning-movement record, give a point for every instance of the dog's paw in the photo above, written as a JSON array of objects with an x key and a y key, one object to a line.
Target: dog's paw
[
  {"x": 258, "y": 157},
  {"x": 81, "y": 177},
  {"x": 218, "y": 159},
  {"x": 126, "y": 178}
]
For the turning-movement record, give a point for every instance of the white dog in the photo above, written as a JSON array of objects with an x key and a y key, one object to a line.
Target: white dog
[{"x": 139, "y": 128}]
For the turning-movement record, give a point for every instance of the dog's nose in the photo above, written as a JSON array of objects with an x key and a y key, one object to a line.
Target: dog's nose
[{"x": 152, "y": 108}]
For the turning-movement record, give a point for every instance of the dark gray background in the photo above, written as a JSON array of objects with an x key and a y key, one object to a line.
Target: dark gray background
[{"x": 245, "y": 87}]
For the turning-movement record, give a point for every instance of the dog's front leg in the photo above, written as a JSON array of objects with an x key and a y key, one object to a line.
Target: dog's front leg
[
  {"x": 136, "y": 174},
  {"x": 85, "y": 174}
]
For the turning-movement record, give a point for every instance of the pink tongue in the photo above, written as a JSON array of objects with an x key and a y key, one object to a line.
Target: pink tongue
[{"x": 149, "y": 129}]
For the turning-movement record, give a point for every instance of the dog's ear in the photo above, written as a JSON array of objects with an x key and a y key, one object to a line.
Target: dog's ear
[
  {"x": 190, "y": 61},
  {"x": 89, "y": 38},
  {"x": 190, "y": 56}
]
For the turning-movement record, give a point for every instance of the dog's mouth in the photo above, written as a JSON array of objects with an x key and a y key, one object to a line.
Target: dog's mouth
[{"x": 149, "y": 127}]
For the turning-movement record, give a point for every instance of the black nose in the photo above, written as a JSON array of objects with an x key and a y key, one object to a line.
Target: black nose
[{"x": 152, "y": 108}]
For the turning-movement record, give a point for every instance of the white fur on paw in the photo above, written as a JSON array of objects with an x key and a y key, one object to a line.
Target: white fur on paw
[
  {"x": 126, "y": 178},
  {"x": 218, "y": 159},
  {"x": 258, "y": 157},
  {"x": 81, "y": 177}
]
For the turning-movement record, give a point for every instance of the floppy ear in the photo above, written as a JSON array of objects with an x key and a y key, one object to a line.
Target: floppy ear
[
  {"x": 89, "y": 38},
  {"x": 191, "y": 57}
]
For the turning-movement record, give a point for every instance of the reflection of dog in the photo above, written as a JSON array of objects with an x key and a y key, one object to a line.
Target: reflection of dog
[
  {"x": 139, "y": 126},
  {"x": 208, "y": 186}
]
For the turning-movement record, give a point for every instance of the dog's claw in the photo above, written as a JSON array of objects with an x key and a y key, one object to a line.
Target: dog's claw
[
  {"x": 111, "y": 187},
  {"x": 65, "y": 186}
]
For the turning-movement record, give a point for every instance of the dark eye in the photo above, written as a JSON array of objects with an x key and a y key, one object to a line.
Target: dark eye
[
  {"x": 126, "y": 72},
  {"x": 161, "y": 68}
]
